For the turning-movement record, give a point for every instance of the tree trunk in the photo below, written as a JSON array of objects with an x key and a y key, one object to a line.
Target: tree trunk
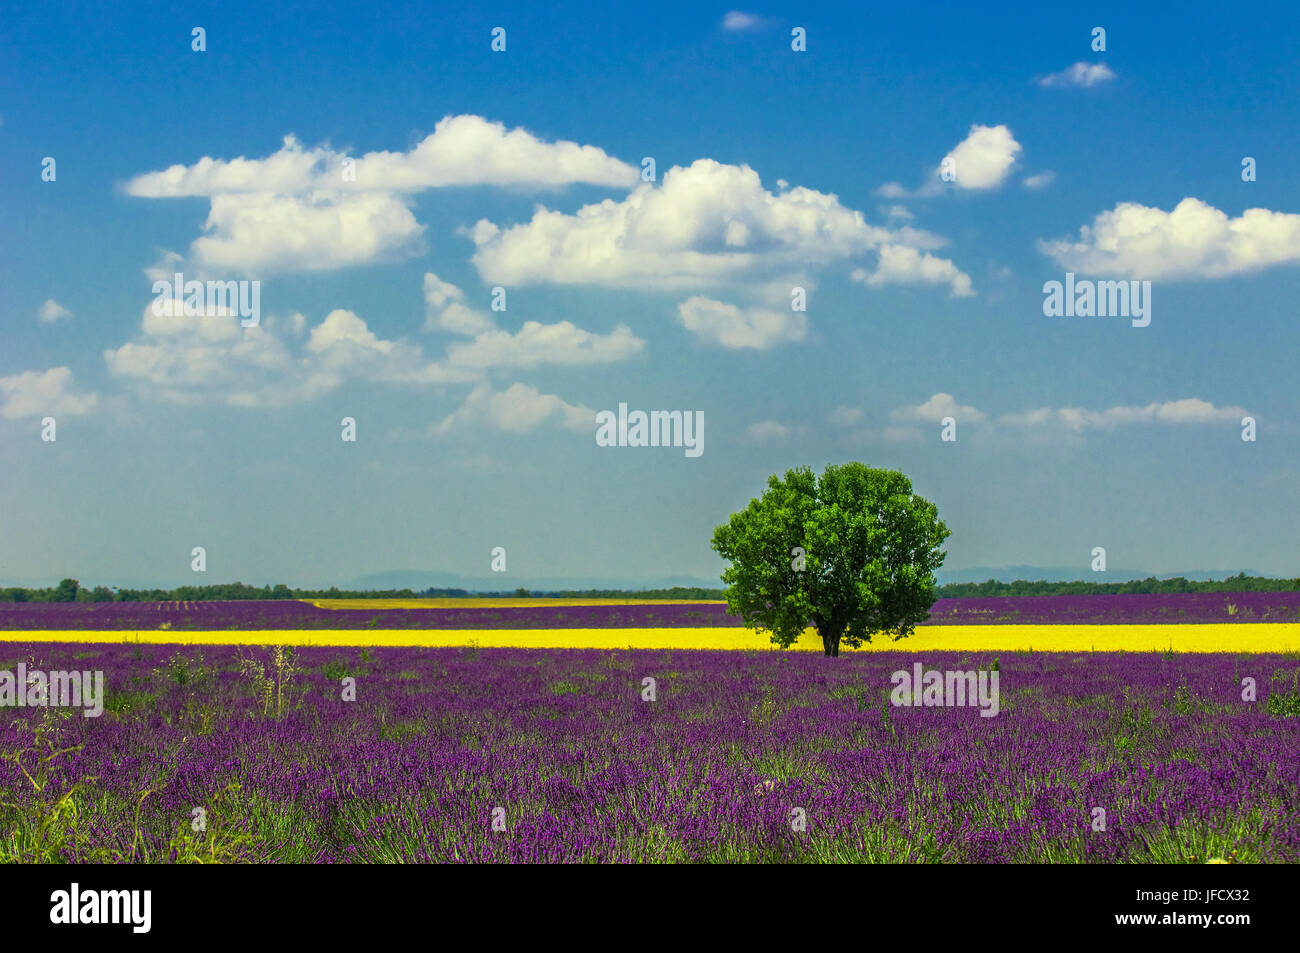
[{"x": 831, "y": 644}]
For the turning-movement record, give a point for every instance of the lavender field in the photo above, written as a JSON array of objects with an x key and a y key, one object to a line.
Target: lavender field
[
  {"x": 294, "y": 614},
  {"x": 562, "y": 749},
  {"x": 1146, "y": 609},
  {"x": 1106, "y": 609}
]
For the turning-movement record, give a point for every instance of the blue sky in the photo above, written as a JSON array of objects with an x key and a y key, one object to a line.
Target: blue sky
[{"x": 522, "y": 169}]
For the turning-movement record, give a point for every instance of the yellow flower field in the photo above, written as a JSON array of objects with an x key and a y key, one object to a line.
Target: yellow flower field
[{"x": 1222, "y": 637}]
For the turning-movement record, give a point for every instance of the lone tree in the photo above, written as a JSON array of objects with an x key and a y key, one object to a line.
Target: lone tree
[{"x": 853, "y": 552}]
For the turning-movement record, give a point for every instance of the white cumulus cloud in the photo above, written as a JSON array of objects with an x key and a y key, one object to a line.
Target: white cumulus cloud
[
  {"x": 1195, "y": 240},
  {"x": 462, "y": 150},
  {"x": 312, "y": 209},
  {"x": 707, "y": 223},
  {"x": 984, "y": 158},
  {"x": 903, "y": 265},
  {"x": 43, "y": 393},
  {"x": 210, "y": 358},
  {"x": 260, "y": 233}
]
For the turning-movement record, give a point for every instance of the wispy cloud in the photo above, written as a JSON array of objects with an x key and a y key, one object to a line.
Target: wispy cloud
[
  {"x": 1189, "y": 410},
  {"x": 739, "y": 21},
  {"x": 733, "y": 327},
  {"x": 52, "y": 311},
  {"x": 1080, "y": 74},
  {"x": 1186, "y": 411},
  {"x": 939, "y": 406},
  {"x": 518, "y": 409},
  {"x": 845, "y": 416},
  {"x": 768, "y": 431},
  {"x": 534, "y": 344}
]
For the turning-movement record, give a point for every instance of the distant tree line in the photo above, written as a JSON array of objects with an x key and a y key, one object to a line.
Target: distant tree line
[
  {"x": 1238, "y": 583},
  {"x": 70, "y": 590}
]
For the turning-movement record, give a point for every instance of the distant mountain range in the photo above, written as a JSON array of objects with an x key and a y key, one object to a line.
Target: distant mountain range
[
  {"x": 415, "y": 580},
  {"x": 412, "y": 579},
  {"x": 1072, "y": 574}
]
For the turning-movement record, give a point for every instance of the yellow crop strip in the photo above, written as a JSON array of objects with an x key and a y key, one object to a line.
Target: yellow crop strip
[{"x": 1219, "y": 637}]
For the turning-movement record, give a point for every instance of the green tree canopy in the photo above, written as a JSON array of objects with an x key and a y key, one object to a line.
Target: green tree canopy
[{"x": 853, "y": 552}]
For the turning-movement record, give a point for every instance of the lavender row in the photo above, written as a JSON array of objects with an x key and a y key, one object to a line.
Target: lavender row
[
  {"x": 1127, "y": 609},
  {"x": 1145, "y": 609},
  {"x": 462, "y": 755},
  {"x": 289, "y": 614}
]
